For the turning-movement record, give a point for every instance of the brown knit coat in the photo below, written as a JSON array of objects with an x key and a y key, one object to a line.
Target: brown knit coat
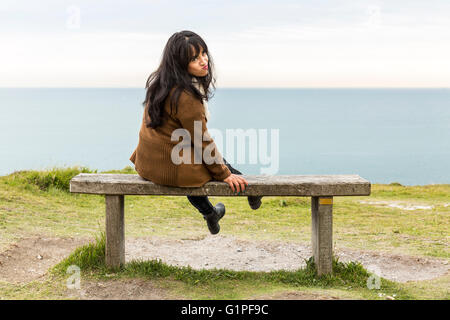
[{"x": 152, "y": 157}]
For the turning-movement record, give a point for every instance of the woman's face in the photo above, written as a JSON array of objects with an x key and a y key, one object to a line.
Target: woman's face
[{"x": 199, "y": 65}]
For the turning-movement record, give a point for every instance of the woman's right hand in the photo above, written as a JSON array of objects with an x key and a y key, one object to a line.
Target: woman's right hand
[{"x": 236, "y": 182}]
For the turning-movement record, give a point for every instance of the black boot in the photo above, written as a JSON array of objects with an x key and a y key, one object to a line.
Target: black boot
[
  {"x": 212, "y": 214},
  {"x": 212, "y": 219},
  {"x": 254, "y": 201}
]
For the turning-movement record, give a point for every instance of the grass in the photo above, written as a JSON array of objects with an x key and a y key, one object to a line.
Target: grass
[
  {"x": 53, "y": 178},
  {"x": 38, "y": 203}
]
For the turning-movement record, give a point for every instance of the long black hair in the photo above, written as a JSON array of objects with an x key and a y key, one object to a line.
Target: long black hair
[{"x": 172, "y": 72}]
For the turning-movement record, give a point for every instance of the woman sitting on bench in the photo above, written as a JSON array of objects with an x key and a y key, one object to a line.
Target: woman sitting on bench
[{"x": 176, "y": 98}]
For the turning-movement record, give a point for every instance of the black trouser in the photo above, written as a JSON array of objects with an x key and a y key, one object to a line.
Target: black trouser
[{"x": 202, "y": 202}]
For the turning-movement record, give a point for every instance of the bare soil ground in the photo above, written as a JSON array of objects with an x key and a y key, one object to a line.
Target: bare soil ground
[
  {"x": 124, "y": 289},
  {"x": 294, "y": 295},
  {"x": 230, "y": 253},
  {"x": 30, "y": 258}
]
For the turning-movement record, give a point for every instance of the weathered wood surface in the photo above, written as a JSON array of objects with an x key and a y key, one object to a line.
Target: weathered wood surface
[
  {"x": 280, "y": 185},
  {"x": 115, "y": 230},
  {"x": 322, "y": 233}
]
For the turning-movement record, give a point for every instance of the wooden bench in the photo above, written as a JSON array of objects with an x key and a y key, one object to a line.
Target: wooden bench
[{"x": 321, "y": 189}]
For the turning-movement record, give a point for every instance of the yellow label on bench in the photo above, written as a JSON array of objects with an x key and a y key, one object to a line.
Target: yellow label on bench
[{"x": 325, "y": 200}]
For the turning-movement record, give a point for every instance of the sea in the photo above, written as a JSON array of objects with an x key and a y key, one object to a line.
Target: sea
[{"x": 383, "y": 135}]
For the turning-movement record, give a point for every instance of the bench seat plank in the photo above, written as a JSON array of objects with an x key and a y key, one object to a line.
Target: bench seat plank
[{"x": 279, "y": 185}]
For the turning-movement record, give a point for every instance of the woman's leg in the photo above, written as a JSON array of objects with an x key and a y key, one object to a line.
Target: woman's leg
[
  {"x": 253, "y": 201},
  {"x": 212, "y": 214},
  {"x": 202, "y": 204}
]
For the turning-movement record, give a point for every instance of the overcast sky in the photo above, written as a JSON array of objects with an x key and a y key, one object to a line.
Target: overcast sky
[{"x": 316, "y": 43}]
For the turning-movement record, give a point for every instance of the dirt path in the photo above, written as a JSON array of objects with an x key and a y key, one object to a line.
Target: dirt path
[
  {"x": 30, "y": 258},
  {"x": 235, "y": 254},
  {"x": 293, "y": 295},
  {"x": 404, "y": 205},
  {"x": 124, "y": 289}
]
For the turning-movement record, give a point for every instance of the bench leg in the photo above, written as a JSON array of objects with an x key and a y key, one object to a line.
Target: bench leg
[
  {"x": 115, "y": 231},
  {"x": 322, "y": 233}
]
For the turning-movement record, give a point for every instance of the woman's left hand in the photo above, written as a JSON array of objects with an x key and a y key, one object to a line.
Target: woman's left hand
[{"x": 236, "y": 182}]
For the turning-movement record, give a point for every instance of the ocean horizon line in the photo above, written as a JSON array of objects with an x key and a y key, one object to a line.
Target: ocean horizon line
[{"x": 319, "y": 88}]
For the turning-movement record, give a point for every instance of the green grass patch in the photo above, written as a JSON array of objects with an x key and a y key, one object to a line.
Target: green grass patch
[
  {"x": 87, "y": 257},
  {"x": 58, "y": 178},
  {"x": 53, "y": 178}
]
